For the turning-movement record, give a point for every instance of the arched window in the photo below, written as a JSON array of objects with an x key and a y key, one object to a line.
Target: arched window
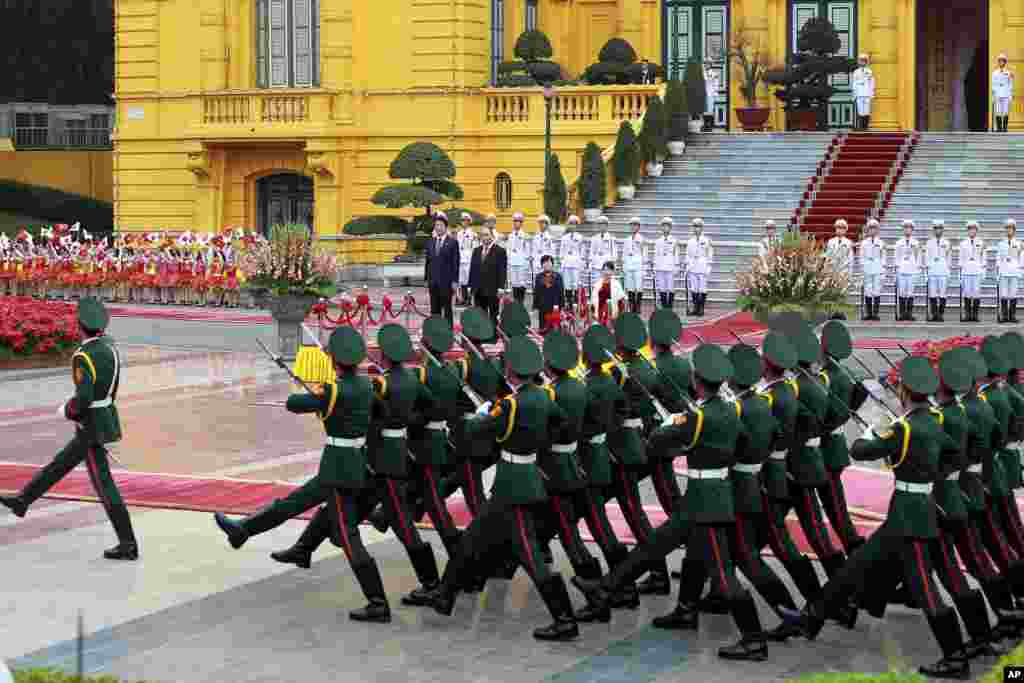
[
  {"x": 503, "y": 191},
  {"x": 287, "y": 43}
]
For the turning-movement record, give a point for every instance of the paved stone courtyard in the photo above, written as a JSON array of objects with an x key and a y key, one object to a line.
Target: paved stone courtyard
[{"x": 193, "y": 610}]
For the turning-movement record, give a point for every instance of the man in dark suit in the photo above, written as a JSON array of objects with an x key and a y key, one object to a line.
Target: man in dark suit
[
  {"x": 442, "y": 268},
  {"x": 488, "y": 273},
  {"x": 548, "y": 292}
]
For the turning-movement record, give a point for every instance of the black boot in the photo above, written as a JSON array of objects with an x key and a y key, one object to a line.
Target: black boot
[
  {"x": 901, "y": 308},
  {"x": 591, "y": 571},
  {"x": 671, "y": 299},
  {"x": 910, "y": 309},
  {"x": 377, "y": 609},
  {"x": 867, "y": 309},
  {"x": 878, "y": 306},
  {"x": 752, "y": 646},
  {"x": 315, "y": 533},
  {"x": 933, "y": 310},
  {"x": 127, "y": 547},
  {"x": 811, "y": 619},
  {"x": 639, "y": 302},
  {"x": 379, "y": 519},
  {"x": 656, "y": 583},
  {"x": 17, "y": 504},
  {"x": 806, "y": 578},
  {"x": 625, "y": 595},
  {"x": 425, "y": 566},
  {"x": 694, "y": 298},
  {"x": 976, "y": 316},
  {"x": 703, "y": 302},
  {"x": 713, "y": 603},
  {"x": 683, "y": 617},
  {"x": 236, "y": 533},
  {"x": 942, "y": 310},
  {"x": 1004, "y": 311},
  {"x": 974, "y": 612},
  {"x": 1013, "y": 310},
  {"x": 954, "y": 662},
  {"x": 556, "y": 597}
]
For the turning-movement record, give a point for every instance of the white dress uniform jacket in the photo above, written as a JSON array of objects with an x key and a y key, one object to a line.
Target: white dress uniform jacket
[
  {"x": 863, "y": 82},
  {"x": 543, "y": 244},
  {"x": 839, "y": 251},
  {"x": 633, "y": 252},
  {"x": 908, "y": 256},
  {"x": 972, "y": 256},
  {"x": 518, "y": 247},
  {"x": 699, "y": 255},
  {"x": 936, "y": 255},
  {"x": 602, "y": 249},
  {"x": 571, "y": 250},
  {"x": 1009, "y": 254}
]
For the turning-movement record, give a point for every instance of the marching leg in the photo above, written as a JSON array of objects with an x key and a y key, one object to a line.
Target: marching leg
[
  {"x": 315, "y": 533},
  {"x": 66, "y": 460}
]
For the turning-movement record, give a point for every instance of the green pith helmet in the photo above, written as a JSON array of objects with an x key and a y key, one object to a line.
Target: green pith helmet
[
  {"x": 836, "y": 341},
  {"x": 523, "y": 357},
  {"x": 665, "y": 327},
  {"x": 598, "y": 342},
  {"x": 477, "y": 325},
  {"x": 93, "y": 315},
  {"x": 995, "y": 355},
  {"x": 956, "y": 371},
  {"x": 515, "y": 319},
  {"x": 436, "y": 334},
  {"x": 917, "y": 374},
  {"x": 978, "y": 366},
  {"x": 346, "y": 346},
  {"x": 561, "y": 351},
  {"x": 808, "y": 348},
  {"x": 711, "y": 364},
  {"x": 746, "y": 363},
  {"x": 394, "y": 343},
  {"x": 779, "y": 351},
  {"x": 630, "y": 332},
  {"x": 1013, "y": 343}
]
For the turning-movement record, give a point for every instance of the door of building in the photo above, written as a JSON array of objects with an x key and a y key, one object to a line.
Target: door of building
[
  {"x": 285, "y": 198},
  {"x": 843, "y": 15},
  {"x": 695, "y": 30}
]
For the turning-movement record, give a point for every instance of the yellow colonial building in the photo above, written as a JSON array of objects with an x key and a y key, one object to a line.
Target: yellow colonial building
[{"x": 252, "y": 112}]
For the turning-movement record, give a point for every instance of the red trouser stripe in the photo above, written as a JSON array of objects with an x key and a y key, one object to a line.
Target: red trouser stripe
[
  {"x": 718, "y": 561},
  {"x": 774, "y": 540},
  {"x": 94, "y": 474},
  {"x": 339, "y": 507},
  {"x": 527, "y": 550},
  {"x": 1004, "y": 550},
  {"x": 818, "y": 533},
  {"x": 595, "y": 522},
  {"x": 661, "y": 488},
  {"x": 925, "y": 577},
  {"x": 842, "y": 515},
  {"x": 633, "y": 518},
  {"x": 955, "y": 577},
  {"x": 741, "y": 540},
  {"x": 562, "y": 521},
  {"x": 428, "y": 470},
  {"x": 474, "y": 501},
  {"x": 400, "y": 512},
  {"x": 984, "y": 562}
]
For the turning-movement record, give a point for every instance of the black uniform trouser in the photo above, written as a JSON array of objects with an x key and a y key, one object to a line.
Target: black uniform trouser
[
  {"x": 997, "y": 587},
  {"x": 746, "y": 538},
  {"x": 992, "y": 537},
  {"x": 1008, "y": 517},
  {"x": 666, "y": 486},
  {"x": 804, "y": 500},
  {"x": 625, "y": 491},
  {"x": 467, "y": 475},
  {"x": 833, "y": 500},
  {"x": 589, "y": 504},
  {"x": 425, "y": 487},
  {"x": 558, "y": 517},
  {"x": 771, "y": 530}
]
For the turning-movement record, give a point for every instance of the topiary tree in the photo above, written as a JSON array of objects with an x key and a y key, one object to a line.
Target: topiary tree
[
  {"x": 593, "y": 179},
  {"x": 804, "y": 82},
  {"x": 652, "y": 138},
  {"x": 676, "y": 110},
  {"x": 616, "y": 64},
  {"x": 555, "y": 192},
  {"x": 625, "y": 160},
  {"x": 533, "y": 66},
  {"x": 430, "y": 170},
  {"x": 696, "y": 90}
]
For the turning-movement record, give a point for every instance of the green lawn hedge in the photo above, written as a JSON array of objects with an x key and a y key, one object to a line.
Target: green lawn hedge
[
  {"x": 376, "y": 225},
  {"x": 54, "y": 676},
  {"x": 1014, "y": 657},
  {"x": 56, "y": 206},
  {"x": 837, "y": 677}
]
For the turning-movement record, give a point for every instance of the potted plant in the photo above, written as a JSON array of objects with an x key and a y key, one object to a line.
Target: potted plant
[
  {"x": 677, "y": 115},
  {"x": 555, "y": 192},
  {"x": 696, "y": 95},
  {"x": 803, "y": 84},
  {"x": 593, "y": 183},
  {"x": 652, "y": 137},
  {"x": 289, "y": 273},
  {"x": 626, "y": 161},
  {"x": 752, "y": 61}
]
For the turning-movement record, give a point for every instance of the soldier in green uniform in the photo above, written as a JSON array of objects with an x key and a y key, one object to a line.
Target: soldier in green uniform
[
  {"x": 845, "y": 395},
  {"x": 1009, "y": 513},
  {"x": 914, "y": 445},
  {"x": 626, "y": 440},
  {"x": 96, "y": 371},
  {"x": 709, "y": 434},
  {"x": 520, "y": 425}
]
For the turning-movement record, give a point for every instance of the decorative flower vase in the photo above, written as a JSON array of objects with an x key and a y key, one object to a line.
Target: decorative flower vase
[
  {"x": 676, "y": 148},
  {"x": 627, "y": 191},
  {"x": 591, "y": 215},
  {"x": 289, "y": 312}
]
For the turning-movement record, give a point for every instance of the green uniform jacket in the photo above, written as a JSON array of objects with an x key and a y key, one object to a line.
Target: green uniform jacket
[
  {"x": 627, "y": 443},
  {"x": 785, "y": 408},
  {"x": 834, "y": 451},
  {"x": 96, "y": 371},
  {"x": 948, "y": 493},
  {"x": 344, "y": 408},
  {"x": 400, "y": 400},
  {"x": 675, "y": 378},
  {"x": 430, "y": 445},
  {"x": 995, "y": 476},
  {"x": 753, "y": 449},
  {"x": 804, "y": 461},
  {"x": 1011, "y": 455},
  {"x": 915, "y": 446},
  {"x": 483, "y": 377},
  {"x": 520, "y": 425},
  {"x": 562, "y": 469},
  {"x": 606, "y": 407},
  {"x": 981, "y": 429},
  {"x": 710, "y": 436}
]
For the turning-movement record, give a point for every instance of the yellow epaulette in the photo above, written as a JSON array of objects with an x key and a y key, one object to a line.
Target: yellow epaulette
[
  {"x": 938, "y": 415},
  {"x": 330, "y": 403},
  {"x": 88, "y": 363},
  {"x": 767, "y": 396},
  {"x": 824, "y": 376},
  {"x": 795, "y": 386},
  {"x": 739, "y": 408},
  {"x": 906, "y": 441},
  {"x": 423, "y": 374},
  {"x": 382, "y": 386},
  {"x": 551, "y": 391},
  {"x": 511, "y": 417}
]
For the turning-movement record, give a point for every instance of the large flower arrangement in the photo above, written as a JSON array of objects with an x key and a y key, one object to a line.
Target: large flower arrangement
[
  {"x": 795, "y": 275},
  {"x": 290, "y": 263},
  {"x": 933, "y": 350},
  {"x": 29, "y": 327}
]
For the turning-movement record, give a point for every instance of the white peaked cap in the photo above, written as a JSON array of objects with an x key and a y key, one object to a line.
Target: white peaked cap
[
  {"x": 972, "y": 224},
  {"x": 635, "y": 220},
  {"x": 1002, "y": 57},
  {"x": 491, "y": 217},
  {"x": 841, "y": 223},
  {"x": 543, "y": 218},
  {"x": 667, "y": 220},
  {"x": 908, "y": 222},
  {"x": 873, "y": 223},
  {"x": 466, "y": 215},
  {"x": 602, "y": 219},
  {"x": 574, "y": 219},
  {"x": 698, "y": 221},
  {"x": 769, "y": 223},
  {"x": 938, "y": 224},
  {"x": 1011, "y": 221},
  {"x": 517, "y": 216}
]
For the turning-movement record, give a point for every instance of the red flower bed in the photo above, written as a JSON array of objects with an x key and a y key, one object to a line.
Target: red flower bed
[
  {"x": 933, "y": 350},
  {"x": 29, "y": 327}
]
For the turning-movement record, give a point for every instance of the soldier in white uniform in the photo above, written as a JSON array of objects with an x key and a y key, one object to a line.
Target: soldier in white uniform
[
  {"x": 863, "y": 85},
  {"x": 908, "y": 265},
  {"x": 712, "y": 84},
  {"x": 769, "y": 241},
  {"x": 936, "y": 257},
  {"x": 468, "y": 241},
  {"x": 543, "y": 245},
  {"x": 1008, "y": 265},
  {"x": 699, "y": 256},
  {"x": 602, "y": 250},
  {"x": 517, "y": 247},
  {"x": 571, "y": 248},
  {"x": 666, "y": 264},
  {"x": 872, "y": 259},
  {"x": 972, "y": 266},
  {"x": 839, "y": 249},
  {"x": 1002, "y": 94},
  {"x": 633, "y": 265}
]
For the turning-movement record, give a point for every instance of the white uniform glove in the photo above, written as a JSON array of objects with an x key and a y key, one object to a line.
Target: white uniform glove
[
  {"x": 869, "y": 434},
  {"x": 484, "y": 408},
  {"x": 670, "y": 421}
]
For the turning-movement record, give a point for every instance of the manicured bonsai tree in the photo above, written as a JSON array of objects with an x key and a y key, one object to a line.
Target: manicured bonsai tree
[
  {"x": 617, "y": 64},
  {"x": 593, "y": 179},
  {"x": 677, "y": 112},
  {"x": 532, "y": 66},
  {"x": 625, "y": 159},
  {"x": 430, "y": 171},
  {"x": 555, "y": 192},
  {"x": 696, "y": 90},
  {"x": 803, "y": 85},
  {"x": 652, "y": 135}
]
